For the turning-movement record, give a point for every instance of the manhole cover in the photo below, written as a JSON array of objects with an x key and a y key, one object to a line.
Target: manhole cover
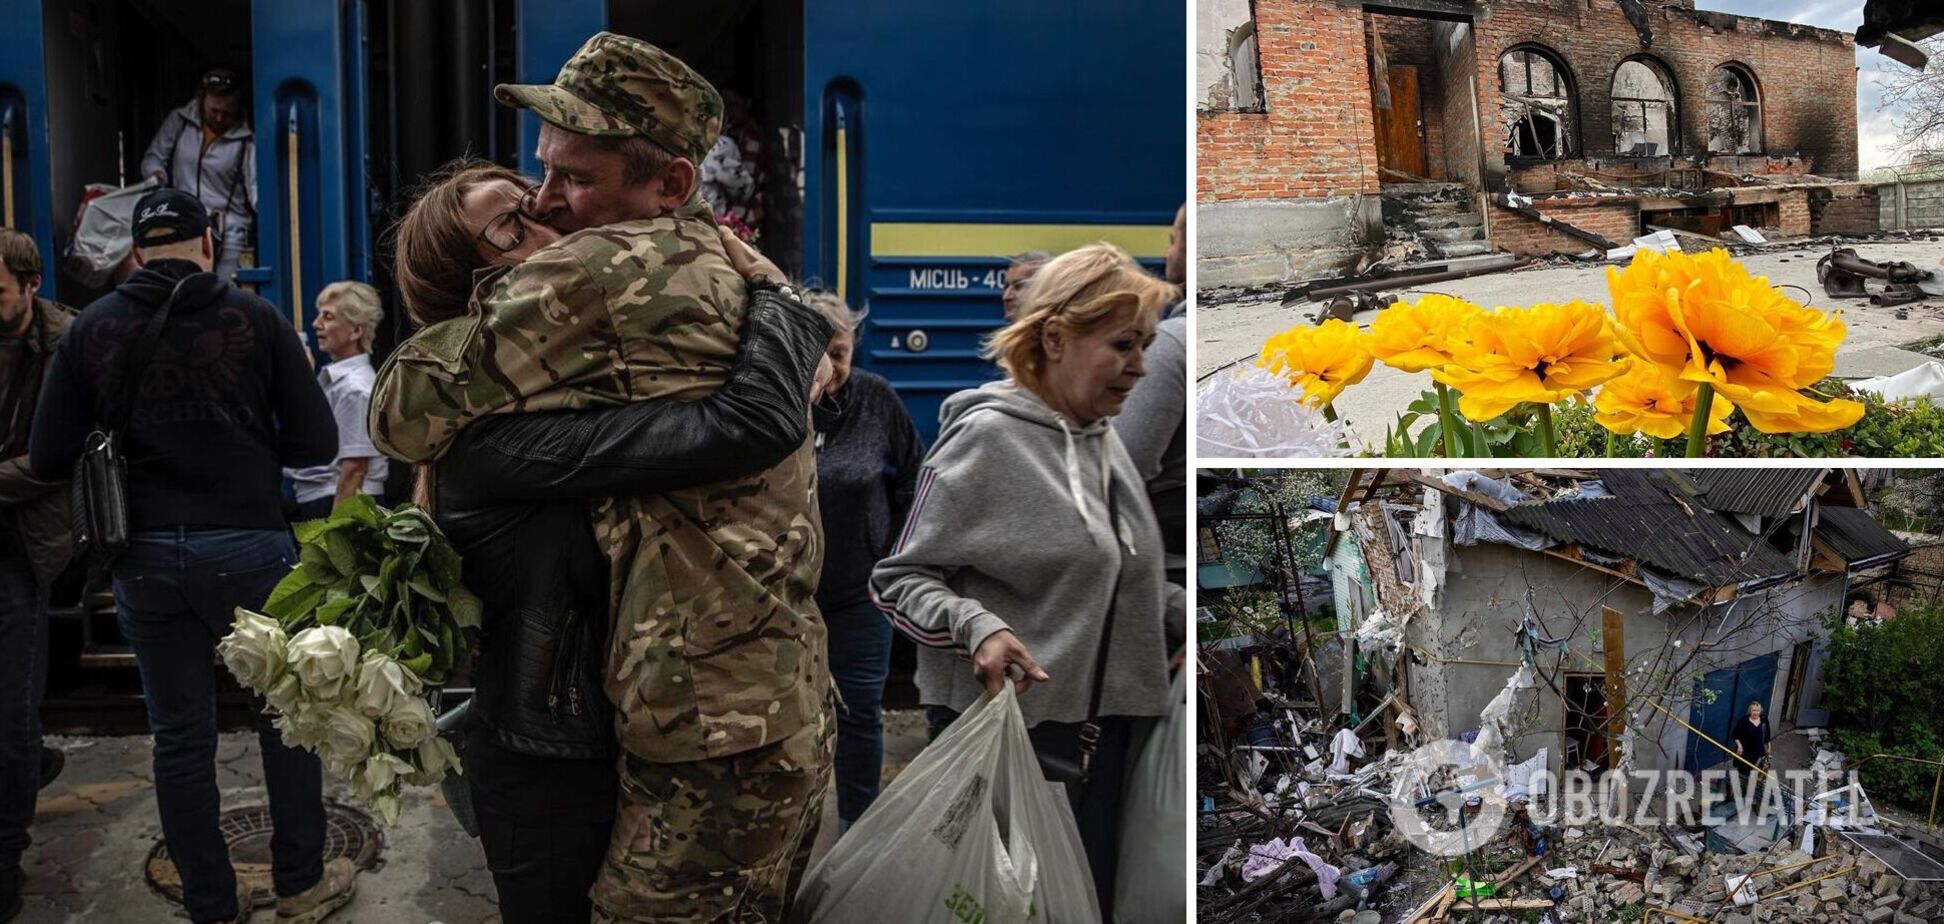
[{"x": 348, "y": 832}]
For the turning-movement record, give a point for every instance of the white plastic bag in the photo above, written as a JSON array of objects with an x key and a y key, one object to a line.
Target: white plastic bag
[
  {"x": 1251, "y": 413},
  {"x": 1150, "y": 886},
  {"x": 971, "y": 831},
  {"x": 103, "y": 234}
]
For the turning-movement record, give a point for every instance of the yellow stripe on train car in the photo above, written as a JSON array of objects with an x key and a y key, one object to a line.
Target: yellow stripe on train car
[{"x": 926, "y": 239}]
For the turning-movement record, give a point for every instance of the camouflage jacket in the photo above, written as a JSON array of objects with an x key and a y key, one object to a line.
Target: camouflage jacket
[{"x": 717, "y": 644}]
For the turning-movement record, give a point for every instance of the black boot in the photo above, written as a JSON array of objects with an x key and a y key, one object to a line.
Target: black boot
[{"x": 53, "y": 761}]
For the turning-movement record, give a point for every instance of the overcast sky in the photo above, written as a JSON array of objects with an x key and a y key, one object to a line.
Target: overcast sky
[{"x": 1876, "y": 129}]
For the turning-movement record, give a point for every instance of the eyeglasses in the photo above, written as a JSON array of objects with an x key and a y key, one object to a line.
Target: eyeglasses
[
  {"x": 219, "y": 80},
  {"x": 507, "y": 231}
]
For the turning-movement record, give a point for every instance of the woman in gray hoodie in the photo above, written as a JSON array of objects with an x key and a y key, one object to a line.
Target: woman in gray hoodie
[{"x": 1030, "y": 548}]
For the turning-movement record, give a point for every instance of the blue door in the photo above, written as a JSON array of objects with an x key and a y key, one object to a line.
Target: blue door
[
  {"x": 942, "y": 137},
  {"x": 312, "y": 225},
  {"x": 26, "y": 182},
  {"x": 1732, "y": 689}
]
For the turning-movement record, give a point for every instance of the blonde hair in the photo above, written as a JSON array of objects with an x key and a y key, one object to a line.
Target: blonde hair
[
  {"x": 358, "y": 304},
  {"x": 1077, "y": 292}
]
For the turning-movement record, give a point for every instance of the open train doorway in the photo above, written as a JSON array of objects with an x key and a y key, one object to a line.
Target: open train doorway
[
  {"x": 752, "y": 51},
  {"x": 115, "y": 70}
]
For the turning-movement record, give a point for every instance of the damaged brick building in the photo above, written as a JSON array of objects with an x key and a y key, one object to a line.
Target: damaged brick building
[{"x": 1328, "y": 126}]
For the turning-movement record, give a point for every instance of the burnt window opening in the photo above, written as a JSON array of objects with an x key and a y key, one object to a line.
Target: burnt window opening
[
  {"x": 1244, "y": 68},
  {"x": 1535, "y": 105},
  {"x": 1643, "y": 109},
  {"x": 1734, "y": 112}
]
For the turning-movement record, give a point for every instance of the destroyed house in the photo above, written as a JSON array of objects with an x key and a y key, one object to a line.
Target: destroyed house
[
  {"x": 1333, "y": 134},
  {"x": 1598, "y": 607}
]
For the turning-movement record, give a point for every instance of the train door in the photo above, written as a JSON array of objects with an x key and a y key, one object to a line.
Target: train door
[
  {"x": 944, "y": 137},
  {"x": 752, "y": 51}
]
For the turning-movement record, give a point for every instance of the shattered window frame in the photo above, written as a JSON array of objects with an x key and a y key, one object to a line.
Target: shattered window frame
[
  {"x": 1516, "y": 109},
  {"x": 1642, "y": 110},
  {"x": 1734, "y": 110}
]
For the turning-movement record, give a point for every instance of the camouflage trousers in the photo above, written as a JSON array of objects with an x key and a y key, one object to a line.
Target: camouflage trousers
[{"x": 723, "y": 840}]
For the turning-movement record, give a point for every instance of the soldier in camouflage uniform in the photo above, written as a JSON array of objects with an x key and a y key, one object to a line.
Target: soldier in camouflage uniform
[{"x": 716, "y": 663}]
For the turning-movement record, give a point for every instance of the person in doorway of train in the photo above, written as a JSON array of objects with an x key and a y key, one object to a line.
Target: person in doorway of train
[
  {"x": 206, "y": 147},
  {"x": 228, "y": 402},
  {"x": 1154, "y": 422},
  {"x": 36, "y": 542},
  {"x": 868, "y": 453},
  {"x": 716, "y": 661},
  {"x": 1031, "y": 547},
  {"x": 1012, "y": 291},
  {"x": 348, "y": 313}
]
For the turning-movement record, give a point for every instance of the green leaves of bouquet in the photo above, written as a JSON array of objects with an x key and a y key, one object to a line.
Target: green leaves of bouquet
[
  {"x": 354, "y": 640},
  {"x": 388, "y": 578}
]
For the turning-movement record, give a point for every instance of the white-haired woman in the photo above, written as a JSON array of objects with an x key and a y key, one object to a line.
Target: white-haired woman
[
  {"x": 1030, "y": 545},
  {"x": 348, "y": 313},
  {"x": 868, "y": 453}
]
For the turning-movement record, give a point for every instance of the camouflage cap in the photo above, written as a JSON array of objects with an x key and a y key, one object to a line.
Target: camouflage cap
[{"x": 618, "y": 86}]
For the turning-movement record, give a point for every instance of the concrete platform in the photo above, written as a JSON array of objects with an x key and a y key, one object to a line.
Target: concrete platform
[{"x": 94, "y": 828}]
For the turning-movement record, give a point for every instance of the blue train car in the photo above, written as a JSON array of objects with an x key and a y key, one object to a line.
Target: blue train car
[{"x": 908, "y": 147}]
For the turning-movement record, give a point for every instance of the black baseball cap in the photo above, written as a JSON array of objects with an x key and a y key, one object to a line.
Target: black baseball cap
[{"x": 168, "y": 215}]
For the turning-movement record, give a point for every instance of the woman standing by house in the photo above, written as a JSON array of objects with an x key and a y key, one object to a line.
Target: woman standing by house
[{"x": 868, "y": 453}]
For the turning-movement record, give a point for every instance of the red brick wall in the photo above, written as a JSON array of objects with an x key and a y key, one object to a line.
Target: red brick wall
[
  {"x": 1315, "y": 137},
  {"x": 1407, "y": 42},
  {"x": 1456, "y": 120},
  {"x": 1794, "y": 206},
  {"x": 1857, "y": 210},
  {"x": 1617, "y": 220},
  {"x": 1806, "y": 77}
]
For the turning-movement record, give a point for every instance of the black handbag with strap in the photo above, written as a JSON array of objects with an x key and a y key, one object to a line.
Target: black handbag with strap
[
  {"x": 1066, "y": 749},
  {"x": 98, "y": 496}
]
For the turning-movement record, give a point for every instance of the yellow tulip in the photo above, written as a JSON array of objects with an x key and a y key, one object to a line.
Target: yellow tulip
[
  {"x": 1322, "y": 360},
  {"x": 1541, "y": 354},
  {"x": 1706, "y": 319},
  {"x": 1649, "y": 399},
  {"x": 1415, "y": 336}
]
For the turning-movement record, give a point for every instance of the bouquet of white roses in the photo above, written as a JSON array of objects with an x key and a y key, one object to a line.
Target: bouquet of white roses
[{"x": 351, "y": 643}]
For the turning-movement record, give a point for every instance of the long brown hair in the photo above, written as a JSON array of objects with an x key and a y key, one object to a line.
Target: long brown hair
[{"x": 435, "y": 250}]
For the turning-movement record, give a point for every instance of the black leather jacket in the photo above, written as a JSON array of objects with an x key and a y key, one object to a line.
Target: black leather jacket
[{"x": 512, "y": 494}]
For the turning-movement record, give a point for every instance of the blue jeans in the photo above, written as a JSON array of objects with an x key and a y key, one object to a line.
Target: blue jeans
[
  {"x": 860, "y": 660},
  {"x": 23, "y": 678},
  {"x": 177, "y": 591}
]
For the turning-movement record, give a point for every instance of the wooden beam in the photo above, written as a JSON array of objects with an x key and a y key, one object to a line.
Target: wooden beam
[
  {"x": 1571, "y": 554},
  {"x": 1435, "y": 484}
]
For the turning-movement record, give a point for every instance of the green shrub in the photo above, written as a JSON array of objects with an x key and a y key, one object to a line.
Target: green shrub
[{"x": 1880, "y": 687}]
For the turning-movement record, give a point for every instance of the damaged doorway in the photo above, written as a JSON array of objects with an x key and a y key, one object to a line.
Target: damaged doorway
[
  {"x": 1584, "y": 743},
  {"x": 1422, "y": 90}
]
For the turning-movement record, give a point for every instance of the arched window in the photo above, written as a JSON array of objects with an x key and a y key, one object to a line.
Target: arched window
[
  {"x": 1643, "y": 108},
  {"x": 1734, "y": 111},
  {"x": 1247, "y": 71},
  {"x": 1536, "y": 104}
]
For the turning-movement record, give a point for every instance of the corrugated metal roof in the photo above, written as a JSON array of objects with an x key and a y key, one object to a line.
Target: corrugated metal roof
[
  {"x": 1857, "y": 536},
  {"x": 1642, "y": 520},
  {"x": 1764, "y": 492}
]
